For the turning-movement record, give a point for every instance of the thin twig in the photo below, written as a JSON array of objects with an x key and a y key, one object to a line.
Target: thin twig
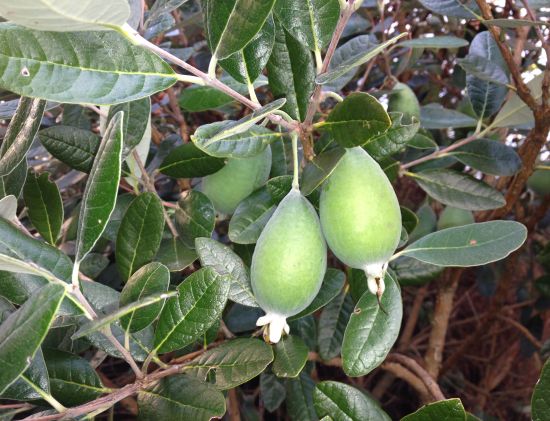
[{"x": 417, "y": 369}]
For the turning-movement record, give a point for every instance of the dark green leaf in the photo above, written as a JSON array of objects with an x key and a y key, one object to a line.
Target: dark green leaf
[
  {"x": 447, "y": 410},
  {"x": 175, "y": 255},
  {"x": 371, "y": 333},
  {"x": 484, "y": 69},
  {"x": 356, "y": 120},
  {"x": 442, "y": 41},
  {"x": 49, "y": 65},
  {"x": 202, "y": 98},
  {"x": 187, "y": 161},
  {"x": 290, "y": 357},
  {"x": 458, "y": 190},
  {"x": 233, "y": 363},
  {"x": 44, "y": 206},
  {"x": 195, "y": 217},
  {"x": 180, "y": 397},
  {"x": 299, "y": 398},
  {"x": 37, "y": 374},
  {"x": 139, "y": 234},
  {"x": 20, "y": 133},
  {"x": 226, "y": 262},
  {"x": 251, "y": 216},
  {"x": 272, "y": 391},
  {"x": 540, "y": 402},
  {"x": 332, "y": 324},
  {"x": 13, "y": 183},
  {"x": 278, "y": 187},
  {"x": 434, "y": 116},
  {"x": 185, "y": 318},
  {"x": 469, "y": 245},
  {"x": 134, "y": 122},
  {"x": 456, "y": 8},
  {"x": 24, "y": 330},
  {"x": 71, "y": 145},
  {"x": 319, "y": 169},
  {"x": 409, "y": 271},
  {"x": 489, "y": 156},
  {"x": 402, "y": 130},
  {"x": 75, "y": 115},
  {"x": 408, "y": 219},
  {"x": 121, "y": 205}
]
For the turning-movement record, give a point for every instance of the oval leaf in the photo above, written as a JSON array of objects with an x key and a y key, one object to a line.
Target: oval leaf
[
  {"x": 251, "y": 216},
  {"x": 434, "y": 116},
  {"x": 489, "y": 156},
  {"x": 290, "y": 357},
  {"x": 195, "y": 217},
  {"x": 187, "y": 161},
  {"x": 448, "y": 410}
]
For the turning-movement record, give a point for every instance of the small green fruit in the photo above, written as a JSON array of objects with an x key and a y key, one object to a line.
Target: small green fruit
[
  {"x": 539, "y": 182},
  {"x": 403, "y": 99},
  {"x": 454, "y": 217},
  {"x": 236, "y": 180},
  {"x": 360, "y": 216},
  {"x": 289, "y": 263}
]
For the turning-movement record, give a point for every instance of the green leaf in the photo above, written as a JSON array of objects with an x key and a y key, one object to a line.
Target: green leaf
[
  {"x": 290, "y": 357},
  {"x": 71, "y": 145},
  {"x": 187, "y": 161},
  {"x": 73, "y": 381},
  {"x": 279, "y": 187},
  {"x": 180, "y": 397},
  {"x": 319, "y": 169},
  {"x": 12, "y": 264},
  {"x": 402, "y": 130},
  {"x": 409, "y": 271},
  {"x": 468, "y": 245},
  {"x": 489, "y": 156},
  {"x": 342, "y": 402},
  {"x": 434, "y": 116},
  {"x": 332, "y": 324},
  {"x": 458, "y": 190},
  {"x": 62, "y": 15},
  {"x": 36, "y": 376},
  {"x": 121, "y": 205},
  {"x": 202, "y": 98},
  {"x": 442, "y": 41},
  {"x": 456, "y": 8},
  {"x": 232, "y": 24},
  {"x": 242, "y": 145},
  {"x": 408, "y": 219},
  {"x": 299, "y": 398},
  {"x": 195, "y": 217},
  {"x": 356, "y": 120},
  {"x": 251, "y": 216},
  {"x": 311, "y": 22},
  {"x": 20, "y": 133},
  {"x": 355, "y": 59},
  {"x": 24, "y": 330},
  {"x": 175, "y": 255},
  {"x": 447, "y": 410},
  {"x": 484, "y": 69},
  {"x": 184, "y": 319},
  {"x": 134, "y": 121},
  {"x": 226, "y": 262},
  {"x": 540, "y": 401},
  {"x": 139, "y": 234},
  {"x": 75, "y": 115},
  {"x": 233, "y": 363},
  {"x": 51, "y": 65},
  {"x": 151, "y": 279},
  {"x": 247, "y": 64},
  {"x": 371, "y": 333},
  {"x": 101, "y": 189},
  {"x": 331, "y": 287},
  {"x": 291, "y": 72},
  {"x": 272, "y": 391},
  {"x": 512, "y": 23},
  {"x": 44, "y": 206},
  {"x": 13, "y": 183}
]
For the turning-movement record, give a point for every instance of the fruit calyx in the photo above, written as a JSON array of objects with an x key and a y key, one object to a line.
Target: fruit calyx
[
  {"x": 375, "y": 273},
  {"x": 275, "y": 325}
]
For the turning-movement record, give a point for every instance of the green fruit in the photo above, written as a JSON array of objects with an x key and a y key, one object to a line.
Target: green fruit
[
  {"x": 236, "y": 180},
  {"x": 403, "y": 99},
  {"x": 454, "y": 217},
  {"x": 539, "y": 182},
  {"x": 360, "y": 216},
  {"x": 289, "y": 263}
]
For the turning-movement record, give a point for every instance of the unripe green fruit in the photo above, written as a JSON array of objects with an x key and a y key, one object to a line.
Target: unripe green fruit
[
  {"x": 360, "y": 216},
  {"x": 289, "y": 263},
  {"x": 454, "y": 217},
  {"x": 539, "y": 182},
  {"x": 403, "y": 99},
  {"x": 236, "y": 180}
]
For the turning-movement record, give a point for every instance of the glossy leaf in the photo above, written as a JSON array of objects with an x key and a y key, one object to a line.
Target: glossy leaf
[
  {"x": 319, "y": 169},
  {"x": 134, "y": 121},
  {"x": 469, "y": 245},
  {"x": 20, "y": 133},
  {"x": 195, "y": 217},
  {"x": 233, "y": 363},
  {"x": 332, "y": 325},
  {"x": 279, "y": 187},
  {"x": 442, "y": 41},
  {"x": 180, "y": 397},
  {"x": 55, "y": 66},
  {"x": 73, "y": 381},
  {"x": 291, "y": 72},
  {"x": 232, "y": 24},
  {"x": 311, "y": 22},
  {"x": 202, "y": 98},
  {"x": 24, "y": 330},
  {"x": 540, "y": 401},
  {"x": 175, "y": 255},
  {"x": 251, "y": 216},
  {"x": 402, "y": 130},
  {"x": 139, "y": 234},
  {"x": 371, "y": 333},
  {"x": 458, "y": 190},
  {"x": 484, "y": 69},
  {"x": 71, "y": 145},
  {"x": 456, "y": 8},
  {"x": 13, "y": 183},
  {"x": 187, "y": 161},
  {"x": 101, "y": 189},
  {"x": 489, "y": 156},
  {"x": 151, "y": 279},
  {"x": 434, "y": 116},
  {"x": 36, "y": 376},
  {"x": 448, "y": 410},
  {"x": 226, "y": 262},
  {"x": 342, "y": 402},
  {"x": 64, "y": 15},
  {"x": 299, "y": 398},
  {"x": 290, "y": 357},
  {"x": 185, "y": 318},
  {"x": 356, "y": 120}
]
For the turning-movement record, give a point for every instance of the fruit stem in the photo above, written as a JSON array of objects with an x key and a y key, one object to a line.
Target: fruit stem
[{"x": 295, "y": 183}]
